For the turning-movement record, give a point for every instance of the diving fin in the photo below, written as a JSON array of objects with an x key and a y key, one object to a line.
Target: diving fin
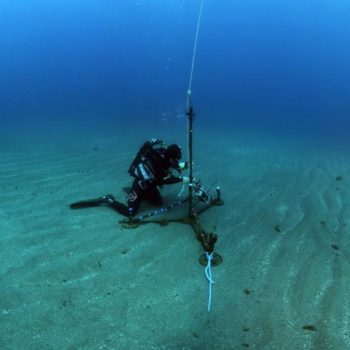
[{"x": 108, "y": 199}]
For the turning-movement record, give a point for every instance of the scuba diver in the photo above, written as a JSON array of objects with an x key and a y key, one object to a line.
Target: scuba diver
[{"x": 151, "y": 168}]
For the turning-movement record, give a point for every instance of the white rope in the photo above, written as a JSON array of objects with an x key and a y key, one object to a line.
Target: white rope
[
  {"x": 189, "y": 90},
  {"x": 209, "y": 276}
]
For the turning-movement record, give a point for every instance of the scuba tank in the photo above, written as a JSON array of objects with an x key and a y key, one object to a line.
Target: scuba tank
[{"x": 140, "y": 165}]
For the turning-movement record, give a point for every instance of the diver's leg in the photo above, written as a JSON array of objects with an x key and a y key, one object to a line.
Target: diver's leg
[
  {"x": 118, "y": 207},
  {"x": 91, "y": 202},
  {"x": 135, "y": 197},
  {"x": 153, "y": 196},
  {"x": 108, "y": 200}
]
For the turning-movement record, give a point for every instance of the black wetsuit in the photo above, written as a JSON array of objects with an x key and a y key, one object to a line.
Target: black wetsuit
[
  {"x": 151, "y": 168},
  {"x": 150, "y": 171}
]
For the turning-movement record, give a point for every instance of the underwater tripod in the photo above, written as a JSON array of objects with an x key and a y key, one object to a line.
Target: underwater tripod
[{"x": 196, "y": 191}]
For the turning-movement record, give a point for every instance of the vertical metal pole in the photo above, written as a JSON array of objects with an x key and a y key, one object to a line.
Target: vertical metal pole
[
  {"x": 190, "y": 114},
  {"x": 190, "y": 108}
]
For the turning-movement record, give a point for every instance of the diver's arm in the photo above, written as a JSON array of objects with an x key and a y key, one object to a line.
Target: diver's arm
[{"x": 169, "y": 180}]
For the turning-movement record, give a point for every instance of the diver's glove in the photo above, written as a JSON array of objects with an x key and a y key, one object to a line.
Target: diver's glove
[{"x": 185, "y": 179}]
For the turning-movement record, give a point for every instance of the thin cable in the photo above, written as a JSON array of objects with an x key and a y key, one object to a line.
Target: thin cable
[{"x": 189, "y": 91}]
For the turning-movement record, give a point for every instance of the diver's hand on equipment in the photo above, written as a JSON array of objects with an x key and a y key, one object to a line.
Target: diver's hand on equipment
[{"x": 185, "y": 179}]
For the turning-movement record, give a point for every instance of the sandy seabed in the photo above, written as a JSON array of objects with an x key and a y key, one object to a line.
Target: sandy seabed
[{"x": 79, "y": 280}]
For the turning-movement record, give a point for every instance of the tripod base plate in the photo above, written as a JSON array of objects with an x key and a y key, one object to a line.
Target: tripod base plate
[{"x": 215, "y": 261}]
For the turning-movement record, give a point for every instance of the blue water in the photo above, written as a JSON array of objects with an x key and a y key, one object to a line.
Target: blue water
[{"x": 277, "y": 66}]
